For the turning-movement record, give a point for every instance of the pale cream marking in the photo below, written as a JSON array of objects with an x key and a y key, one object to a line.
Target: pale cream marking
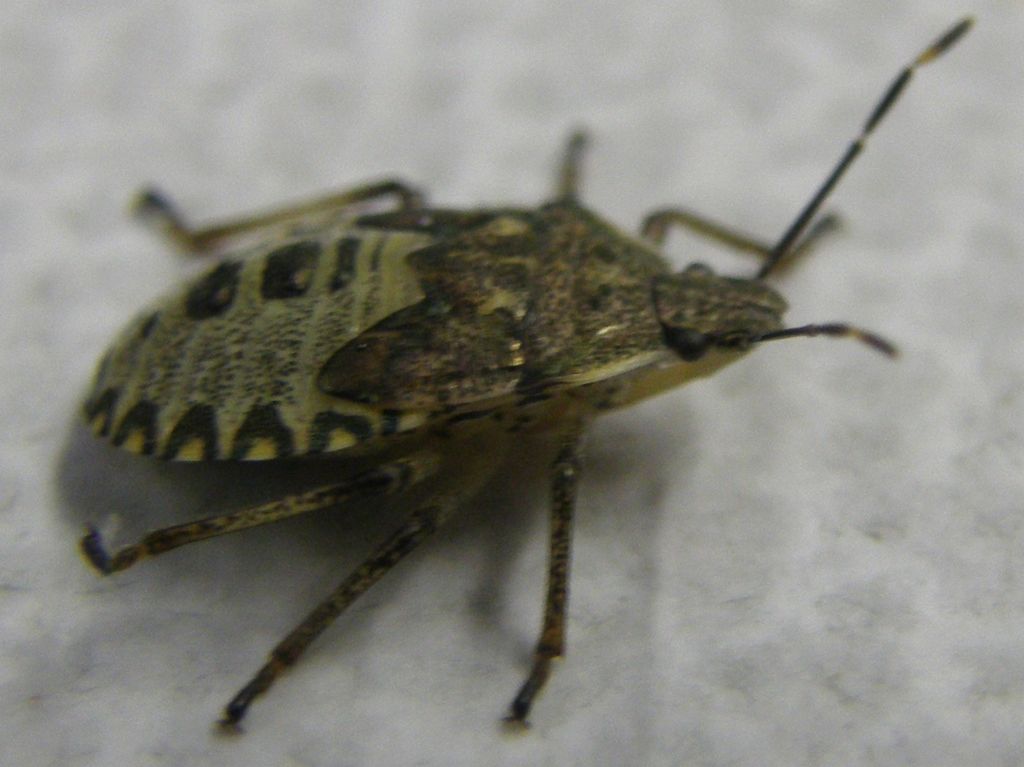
[
  {"x": 609, "y": 329},
  {"x": 504, "y": 299},
  {"x": 506, "y": 226},
  {"x": 411, "y": 420},
  {"x": 340, "y": 439},
  {"x": 135, "y": 442},
  {"x": 261, "y": 449},
  {"x": 193, "y": 450}
]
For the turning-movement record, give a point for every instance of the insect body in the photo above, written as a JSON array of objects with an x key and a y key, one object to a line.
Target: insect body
[{"x": 397, "y": 334}]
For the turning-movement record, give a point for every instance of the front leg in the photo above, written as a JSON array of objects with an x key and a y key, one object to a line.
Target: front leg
[
  {"x": 551, "y": 643},
  {"x": 657, "y": 225}
]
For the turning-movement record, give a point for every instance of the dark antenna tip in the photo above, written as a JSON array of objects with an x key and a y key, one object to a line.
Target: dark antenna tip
[{"x": 947, "y": 40}]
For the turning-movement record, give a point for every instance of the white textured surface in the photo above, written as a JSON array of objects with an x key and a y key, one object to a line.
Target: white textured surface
[{"x": 815, "y": 558}]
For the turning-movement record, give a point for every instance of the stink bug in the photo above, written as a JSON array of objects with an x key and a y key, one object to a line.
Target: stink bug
[{"x": 399, "y": 334}]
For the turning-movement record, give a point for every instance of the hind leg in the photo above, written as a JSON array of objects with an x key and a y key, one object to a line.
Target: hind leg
[
  {"x": 155, "y": 207},
  {"x": 386, "y": 479}
]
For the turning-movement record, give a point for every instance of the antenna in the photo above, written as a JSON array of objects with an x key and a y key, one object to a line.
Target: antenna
[
  {"x": 892, "y": 93},
  {"x": 836, "y": 330}
]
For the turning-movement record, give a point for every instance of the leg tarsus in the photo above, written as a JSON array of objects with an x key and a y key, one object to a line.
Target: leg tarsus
[
  {"x": 236, "y": 708},
  {"x": 567, "y": 189},
  {"x": 824, "y": 227},
  {"x": 523, "y": 702},
  {"x": 96, "y": 553},
  {"x": 155, "y": 208}
]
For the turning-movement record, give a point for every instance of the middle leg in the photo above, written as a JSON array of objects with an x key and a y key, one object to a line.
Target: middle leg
[
  {"x": 551, "y": 643},
  {"x": 476, "y": 465}
]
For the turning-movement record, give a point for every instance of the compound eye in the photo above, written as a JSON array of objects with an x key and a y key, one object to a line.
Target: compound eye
[{"x": 688, "y": 344}]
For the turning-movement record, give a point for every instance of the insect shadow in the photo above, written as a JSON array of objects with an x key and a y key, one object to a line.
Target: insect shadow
[
  {"x": 278, "y": 566},
  {"x": 256, "y": 576}
]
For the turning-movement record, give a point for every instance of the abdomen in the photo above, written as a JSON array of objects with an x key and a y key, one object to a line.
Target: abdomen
[{"x": 225, "y": 368}]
